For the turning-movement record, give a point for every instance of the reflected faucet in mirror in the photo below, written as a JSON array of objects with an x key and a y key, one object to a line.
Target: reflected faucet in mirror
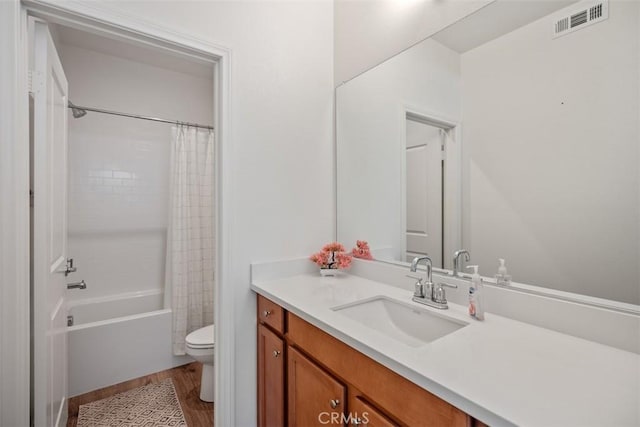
[{"x": 457, "y": 267}]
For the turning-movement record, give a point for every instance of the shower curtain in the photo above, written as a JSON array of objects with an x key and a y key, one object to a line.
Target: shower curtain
[{"x": 190, "y": 246}]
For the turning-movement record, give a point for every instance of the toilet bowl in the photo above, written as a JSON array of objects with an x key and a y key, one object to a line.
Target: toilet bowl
[{"x": 200, "y": 346}]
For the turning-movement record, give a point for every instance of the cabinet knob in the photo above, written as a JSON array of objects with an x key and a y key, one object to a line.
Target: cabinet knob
[
  {"x": 334, "y": 403},
  {"x": 266, "y": 313},
  {"x": 276, "y": 353},
  {"x": 356, "y": 421}
]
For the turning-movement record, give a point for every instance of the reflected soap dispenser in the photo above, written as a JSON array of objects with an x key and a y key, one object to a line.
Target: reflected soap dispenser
[
  {"x": 502, "y": 278},
  {"x": 476, "y": 306}
]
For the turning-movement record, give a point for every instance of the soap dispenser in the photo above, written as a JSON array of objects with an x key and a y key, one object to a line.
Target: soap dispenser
[
  {"x": 502, "y": 278},
  {"x": 476, "y": 306}
]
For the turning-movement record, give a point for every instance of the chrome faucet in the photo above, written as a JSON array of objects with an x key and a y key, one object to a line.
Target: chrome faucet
[
  {"x": 428, "y": 293},
  {"x": 456, "y": 261},
  {"x": 426, "y": 288}
]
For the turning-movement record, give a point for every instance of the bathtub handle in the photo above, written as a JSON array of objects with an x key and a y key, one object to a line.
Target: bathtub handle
[{"x": 69, "y": 268}]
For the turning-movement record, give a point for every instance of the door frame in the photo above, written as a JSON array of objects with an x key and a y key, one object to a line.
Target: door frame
[
  {"x": 14, "y": 223},
  {"x": 452, "y": 189},
  {"x": 14, "y": 393}
]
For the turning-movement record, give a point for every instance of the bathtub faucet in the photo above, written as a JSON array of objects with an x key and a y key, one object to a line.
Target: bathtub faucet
[{"x": 77, "y": 285}]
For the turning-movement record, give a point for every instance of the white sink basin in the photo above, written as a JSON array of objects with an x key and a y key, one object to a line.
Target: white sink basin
[{"x": 406, "y": 323}]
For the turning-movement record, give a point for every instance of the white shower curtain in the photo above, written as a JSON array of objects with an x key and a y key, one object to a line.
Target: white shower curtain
[{"x": 190, "y": 245}]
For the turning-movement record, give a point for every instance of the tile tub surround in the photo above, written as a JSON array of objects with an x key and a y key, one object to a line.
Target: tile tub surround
[{"x": 500, "y": 371}]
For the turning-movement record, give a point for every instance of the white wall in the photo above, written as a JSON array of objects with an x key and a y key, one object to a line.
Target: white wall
[
  {"x": 368, "y": 32},
  {"x": 119, "y": 167},
  {"x": 555, "y": 194},
  {"x": 281, "y": 131},
  {"x": 370, "y": 128}
]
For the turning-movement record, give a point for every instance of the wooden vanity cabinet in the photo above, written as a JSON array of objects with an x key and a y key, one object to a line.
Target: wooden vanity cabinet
[
  {"x": 404, "y": 402},
  {"x": 271, "y": 365},
  {"x": 322, "y": 377}
]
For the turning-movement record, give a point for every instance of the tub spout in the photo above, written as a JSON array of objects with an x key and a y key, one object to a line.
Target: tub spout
[{"x": 77, "y": 285}]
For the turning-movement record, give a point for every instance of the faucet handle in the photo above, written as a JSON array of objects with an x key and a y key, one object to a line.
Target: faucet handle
[
  {"x": 448, "y": 285},
  {"x": 439, "y": 295},
  {"x": 419, "y": 287}
]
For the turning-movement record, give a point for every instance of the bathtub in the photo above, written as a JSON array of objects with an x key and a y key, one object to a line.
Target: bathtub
[{"x": 118, "y": 338}]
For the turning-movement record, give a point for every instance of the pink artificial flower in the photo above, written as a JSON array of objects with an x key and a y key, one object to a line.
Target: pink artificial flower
[
  {"x": 362, "y": 250},
  {"x": 332, "y": 255},
  {"x": 320, "y": 258},
  {"x": 343, "y": 259},
  {"x": 333, "y": 247}
]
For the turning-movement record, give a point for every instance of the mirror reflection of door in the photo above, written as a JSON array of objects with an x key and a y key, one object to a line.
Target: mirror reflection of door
[{"x": 424, "y": 186}]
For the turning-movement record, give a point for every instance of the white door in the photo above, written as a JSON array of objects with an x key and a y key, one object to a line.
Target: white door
[
  {"x": 49, "y": 311},
  {"x": 424, "y": 191}
]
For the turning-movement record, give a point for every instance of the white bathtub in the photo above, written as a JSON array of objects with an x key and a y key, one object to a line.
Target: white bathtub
[{"x": 118, "y": 338}]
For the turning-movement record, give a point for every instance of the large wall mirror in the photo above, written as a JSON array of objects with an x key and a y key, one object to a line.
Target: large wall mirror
[{"x": 513, "y": 133}]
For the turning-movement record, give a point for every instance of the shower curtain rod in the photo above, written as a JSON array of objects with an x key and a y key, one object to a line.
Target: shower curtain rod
[{"x": 79, "y": 111}]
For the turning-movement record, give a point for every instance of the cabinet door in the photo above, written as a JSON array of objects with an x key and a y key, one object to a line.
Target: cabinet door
[
  {"x": 363, "y": 414},
  {"x": 315, "y": 397},
  {"x": 270, "y": 379}
]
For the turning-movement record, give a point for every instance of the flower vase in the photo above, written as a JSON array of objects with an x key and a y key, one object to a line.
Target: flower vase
[{"x": 328, "y": 272}]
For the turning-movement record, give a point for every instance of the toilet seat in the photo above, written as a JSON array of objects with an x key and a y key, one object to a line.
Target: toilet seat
[{"x": 202, "y": 338}]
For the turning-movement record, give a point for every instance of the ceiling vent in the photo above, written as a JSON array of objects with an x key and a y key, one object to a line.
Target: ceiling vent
[{"x": 587, "y": 13}]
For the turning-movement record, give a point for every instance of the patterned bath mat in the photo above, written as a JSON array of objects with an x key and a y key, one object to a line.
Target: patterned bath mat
[{"x": 152, "y": 405}]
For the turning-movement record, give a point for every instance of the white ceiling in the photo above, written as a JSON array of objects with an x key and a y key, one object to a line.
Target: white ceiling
[
  {"x": 494, "y": 20},
  {"x": 490, "y": 22},
  {"x": 128, "y": 50}
]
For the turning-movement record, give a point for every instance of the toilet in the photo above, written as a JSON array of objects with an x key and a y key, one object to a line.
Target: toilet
[{"x": 200, "y": 346}]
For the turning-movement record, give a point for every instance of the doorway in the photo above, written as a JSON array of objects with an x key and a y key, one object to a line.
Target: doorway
[
  {"x": 430, "y": 188},
  {"x": 425, "y": 164},
  {"x": 50, "y": 388}
]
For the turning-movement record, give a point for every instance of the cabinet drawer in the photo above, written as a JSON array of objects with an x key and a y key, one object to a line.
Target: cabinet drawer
[
  {"x": 363, "y": 414},
  {"x": 270, "y": 314}
]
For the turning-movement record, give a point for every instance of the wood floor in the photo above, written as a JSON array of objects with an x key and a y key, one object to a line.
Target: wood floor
[{"x": 186, "y": 380}]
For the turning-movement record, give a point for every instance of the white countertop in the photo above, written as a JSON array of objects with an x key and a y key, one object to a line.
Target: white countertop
[{"x": 500, "y": 371}]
